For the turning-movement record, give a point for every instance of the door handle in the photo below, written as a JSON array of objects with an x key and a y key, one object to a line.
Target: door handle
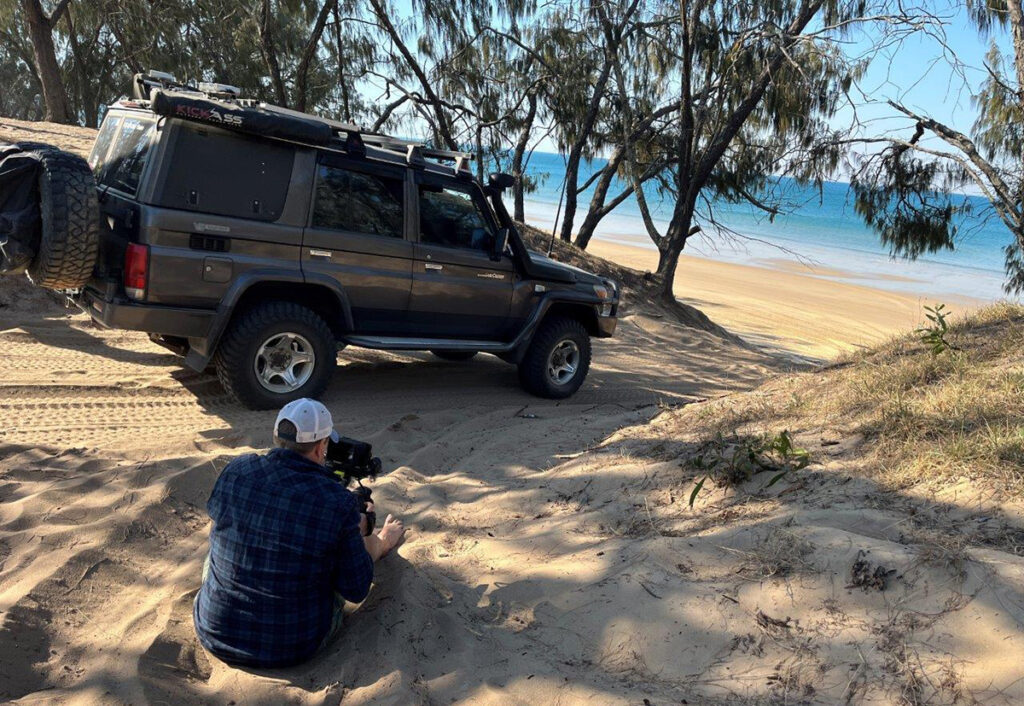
[{"x": 432, "y": 266}]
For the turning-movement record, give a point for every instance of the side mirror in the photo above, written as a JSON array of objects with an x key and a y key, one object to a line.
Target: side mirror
[
  {"x": 500, "y": 243},
  {"x": 501, "y": 181}
]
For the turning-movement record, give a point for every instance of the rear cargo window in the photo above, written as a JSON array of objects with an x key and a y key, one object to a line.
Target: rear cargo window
[
  {"x": 227, "y": 174},
  {"x": 102, "y": 144},
  {"x": 123, "y": 165}
]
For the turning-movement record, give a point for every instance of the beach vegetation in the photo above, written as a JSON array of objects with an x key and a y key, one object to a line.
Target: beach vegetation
[
  {"x": 934, "y": 334},
  {"x": 732, "y": 460},
  {"x": 896, "y": 412},
  {"x": 698, "y": 105}
]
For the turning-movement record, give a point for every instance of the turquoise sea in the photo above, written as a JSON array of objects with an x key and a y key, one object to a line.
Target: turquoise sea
[{"x": 821, "y": 233}]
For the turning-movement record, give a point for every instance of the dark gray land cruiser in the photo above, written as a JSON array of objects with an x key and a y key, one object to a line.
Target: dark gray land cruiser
[{"x": 261, "y": 239}]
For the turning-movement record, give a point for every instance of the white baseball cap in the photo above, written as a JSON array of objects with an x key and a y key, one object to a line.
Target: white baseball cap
[{"x": 312, "y": 421}]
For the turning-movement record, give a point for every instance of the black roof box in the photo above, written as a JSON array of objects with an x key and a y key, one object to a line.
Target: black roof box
[{"x": 234, "y": 117}]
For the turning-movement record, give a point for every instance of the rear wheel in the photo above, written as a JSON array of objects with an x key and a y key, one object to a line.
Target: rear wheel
[
  {"x": 558, "y": 359},
  {"x": 454, "y": 355},
  {"x": 274, "y": 353}
]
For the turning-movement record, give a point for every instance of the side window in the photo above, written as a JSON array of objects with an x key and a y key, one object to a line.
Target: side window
[
  {"x": 358, "y": 203},
  {"x": 122, "y": 168},
  {"x": 449, "y": 217}
]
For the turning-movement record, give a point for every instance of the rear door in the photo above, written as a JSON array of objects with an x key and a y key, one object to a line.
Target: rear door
[
  {"x": 458, "y": 290},
  {"x": 356, "y": 235}
]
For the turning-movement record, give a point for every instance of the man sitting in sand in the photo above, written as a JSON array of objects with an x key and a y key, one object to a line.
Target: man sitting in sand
[{"x": 288, "y": 547}]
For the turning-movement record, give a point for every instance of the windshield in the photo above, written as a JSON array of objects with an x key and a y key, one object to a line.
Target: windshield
[{"x": 120, "y": 152}]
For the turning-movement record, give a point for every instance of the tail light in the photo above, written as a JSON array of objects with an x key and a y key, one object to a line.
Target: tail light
[{"x": 136, "y": 270}]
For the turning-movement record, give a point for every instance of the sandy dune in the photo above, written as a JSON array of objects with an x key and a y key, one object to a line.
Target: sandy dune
[
  {"x": 109, "y": 451},
  {"x": 552, "y": 557}
]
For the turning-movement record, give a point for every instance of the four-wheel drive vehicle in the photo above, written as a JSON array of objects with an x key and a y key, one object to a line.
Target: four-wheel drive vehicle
[{"x": 261, "y": 239}]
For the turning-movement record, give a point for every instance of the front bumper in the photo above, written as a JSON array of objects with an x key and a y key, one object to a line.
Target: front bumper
[{"x": 164, "y": 320}]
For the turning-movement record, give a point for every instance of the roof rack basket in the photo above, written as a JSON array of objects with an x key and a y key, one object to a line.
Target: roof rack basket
[
  {"x": 415, "y": 152},
  {"x": 354, "y": 138}
]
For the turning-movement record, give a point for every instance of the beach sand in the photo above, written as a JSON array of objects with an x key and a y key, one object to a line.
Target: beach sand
[
  {"x": 552, "y": 557},
  {"x": 787, "y": 307}
]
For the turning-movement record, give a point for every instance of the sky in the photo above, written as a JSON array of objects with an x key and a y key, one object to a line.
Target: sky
[{"x": 919, "y": 73}]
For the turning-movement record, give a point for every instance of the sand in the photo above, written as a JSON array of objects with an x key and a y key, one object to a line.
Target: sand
[
  {"x": 789, "y": 308},
  {"x": 551, "y": 557}
]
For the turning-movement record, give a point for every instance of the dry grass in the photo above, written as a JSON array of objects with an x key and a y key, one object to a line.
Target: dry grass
[
  {"x": 917, "y": 415},
  {"x": 781, "y": 554}
]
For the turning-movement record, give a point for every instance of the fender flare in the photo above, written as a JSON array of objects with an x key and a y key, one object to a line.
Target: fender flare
[
  {"x": 201, "y": 350},
  {"x": 522, "y": 341}
]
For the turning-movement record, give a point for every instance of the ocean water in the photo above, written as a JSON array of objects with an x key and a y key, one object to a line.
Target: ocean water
[{"x": 821, "y": 234}]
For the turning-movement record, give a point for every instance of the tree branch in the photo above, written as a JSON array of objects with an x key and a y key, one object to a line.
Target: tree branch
[{"x": 58, "y": 11}]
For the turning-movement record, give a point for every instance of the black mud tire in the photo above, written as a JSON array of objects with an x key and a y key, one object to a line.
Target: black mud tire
[
  {"x": 69, "y": 220},
  {"x": 236, "y": 355},
  {"x": 533, "y": 369},
  {"x": 456, "y": 356}
]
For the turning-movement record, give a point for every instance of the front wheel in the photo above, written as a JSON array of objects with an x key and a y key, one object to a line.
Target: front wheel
[
  {"x": 274, "y": 353},
  {"x": 558, "y": 359}
]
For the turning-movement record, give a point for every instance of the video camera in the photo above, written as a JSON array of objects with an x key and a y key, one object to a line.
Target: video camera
[{"x": 348, "y": 460}]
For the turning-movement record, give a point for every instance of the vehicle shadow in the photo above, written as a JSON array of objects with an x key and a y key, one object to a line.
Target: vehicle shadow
[{"x": 74, "y": 335}]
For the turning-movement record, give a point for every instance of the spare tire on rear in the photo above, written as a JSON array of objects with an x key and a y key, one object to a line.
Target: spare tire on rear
[{"x": 49, "y": 216}]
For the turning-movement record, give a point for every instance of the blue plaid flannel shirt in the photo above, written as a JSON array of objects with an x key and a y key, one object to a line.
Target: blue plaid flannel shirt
[{"x": 285, "y": 538}]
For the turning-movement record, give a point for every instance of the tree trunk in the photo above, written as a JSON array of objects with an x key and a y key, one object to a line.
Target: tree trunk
[
  {"x": 308, "y": 53},
  {"x": 270, "y": 55},
  {"x": 518, "y": 193},
  {"x": 518, "y": 157},
  {"x": 572, "y": 166},
  {"x": 89, "y": 105},
  {"x": 668, "y": 259},
  {"x": 346, "y": 105},
  {"x": 679, "y": 231},
  {"x": 41, "y": 34},
  {"x": 480, "y": 153}
]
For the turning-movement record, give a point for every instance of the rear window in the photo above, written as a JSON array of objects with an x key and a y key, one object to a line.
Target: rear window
[
  {"x": 120, "y": 153},
  {"x": 227, "y": 174},
  {"x": 103, "y": 140}
]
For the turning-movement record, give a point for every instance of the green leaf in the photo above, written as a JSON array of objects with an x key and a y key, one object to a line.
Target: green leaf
[{"x": 696, "y": 489}]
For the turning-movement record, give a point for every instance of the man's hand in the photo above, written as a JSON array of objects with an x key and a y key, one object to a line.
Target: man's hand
[
  {"x": 387, "y": 538},
  {"x": 391, "y": 534}
]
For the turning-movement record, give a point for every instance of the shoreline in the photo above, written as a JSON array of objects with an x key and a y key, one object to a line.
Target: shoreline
[
  {"x": 784, "y": 311},
  {"x": 822, "y": 256}
]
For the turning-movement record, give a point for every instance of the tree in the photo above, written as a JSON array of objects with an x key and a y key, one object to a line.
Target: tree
[
  {"x": 756, "y": 84},
  {"x": 586, "y": 47},
  {"x": 907, "y": 191},
  {"x": 40, "y": 28}
]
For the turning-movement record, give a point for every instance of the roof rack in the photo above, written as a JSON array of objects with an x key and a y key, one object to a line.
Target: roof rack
[
  {"x": 415, "y": 152},
  {"x": 354, "y": 138}
]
